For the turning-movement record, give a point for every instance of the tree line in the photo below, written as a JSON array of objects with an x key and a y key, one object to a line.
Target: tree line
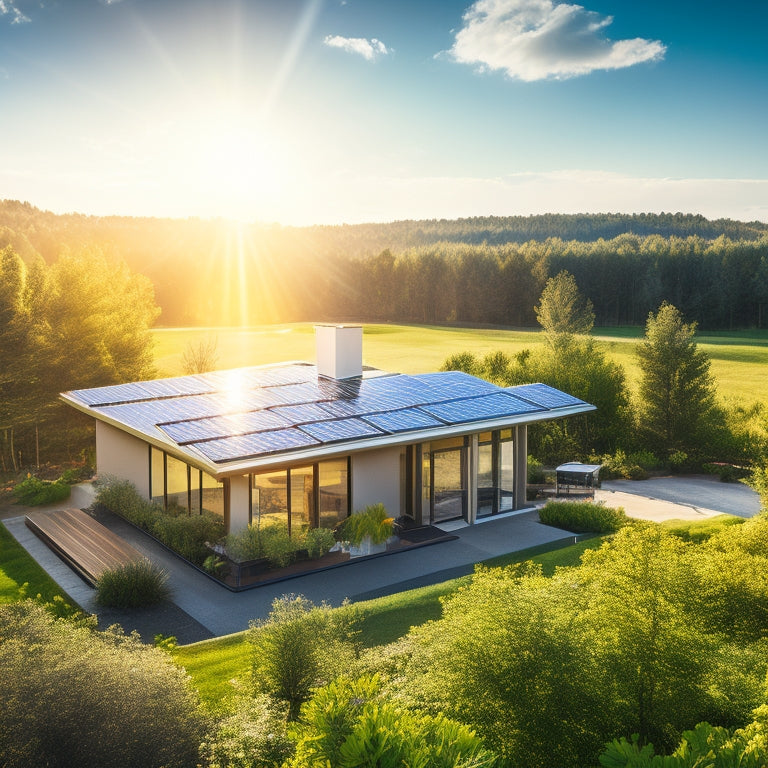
[{"x": 476, "y": 270}]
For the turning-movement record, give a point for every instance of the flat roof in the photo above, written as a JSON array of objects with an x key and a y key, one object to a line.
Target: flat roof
[{"x": 230, "y": 422}]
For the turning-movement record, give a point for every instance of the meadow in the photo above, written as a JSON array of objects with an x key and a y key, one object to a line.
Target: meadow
[{"x": 739, "y": 358}]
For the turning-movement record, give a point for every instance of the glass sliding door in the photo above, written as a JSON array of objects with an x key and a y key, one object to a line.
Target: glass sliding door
[
  {"x": 449, "y": 481},
  {"x": 486, "y": 485},
  {"x": 269, "y": 498},
  {"x": 506, "y": 483},
  {"x": 302, "y": 507},
  {"x": 333, "y": 492}
]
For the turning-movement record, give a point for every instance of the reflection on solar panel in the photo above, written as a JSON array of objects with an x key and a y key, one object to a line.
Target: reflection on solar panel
[
  {"x": 300, "y": 414},
  {"x": 339, "y": 429},
  {"x": 232, "y": 448},
  {"x": 544, "y": 395},
  {"x": 404, "y": 420},
  {"x": 479, "y": 408},
  {"x": 222, "y": 426}
]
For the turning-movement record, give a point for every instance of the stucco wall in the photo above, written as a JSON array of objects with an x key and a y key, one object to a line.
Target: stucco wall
[
  {"x": 376, "y": 479},
  {"x": 122, "y": 455}
]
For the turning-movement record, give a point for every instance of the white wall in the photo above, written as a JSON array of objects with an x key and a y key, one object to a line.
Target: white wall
[
  {"x": 376, "y": 479},
  {"x": 122, "y": 455},
  {"x": 239, "y": 493}
]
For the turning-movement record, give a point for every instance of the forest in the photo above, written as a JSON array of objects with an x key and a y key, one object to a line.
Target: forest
[{"x": 482, "y": 270}]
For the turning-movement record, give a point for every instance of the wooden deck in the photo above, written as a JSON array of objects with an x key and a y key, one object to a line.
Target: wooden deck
[{"x": 82, "y": 542}]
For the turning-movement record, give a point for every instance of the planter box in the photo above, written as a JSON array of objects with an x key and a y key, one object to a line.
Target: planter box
[
  {"x": 366, "y": 547},
  {"x": 247, "y": 568}
]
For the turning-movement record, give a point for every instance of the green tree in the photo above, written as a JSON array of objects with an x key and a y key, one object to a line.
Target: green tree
[
  {"x": 299, "y": 647},
  {"x": 562, "y": 310},
  {"x": 677, "y": 399},
  {"x": 72, "y": 696}
]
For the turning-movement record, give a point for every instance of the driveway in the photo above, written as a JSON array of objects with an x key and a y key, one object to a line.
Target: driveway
[{"x": 692, "y": 497}]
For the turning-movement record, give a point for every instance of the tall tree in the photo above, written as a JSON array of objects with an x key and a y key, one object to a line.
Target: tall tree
[
  {"x": 562, "y": 310},
  {"x": 677, "y": 391}
]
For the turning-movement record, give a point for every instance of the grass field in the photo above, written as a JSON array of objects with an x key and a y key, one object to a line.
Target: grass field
[
  {"x": 739, "y": 360},
  {"x": 17, "y": 568}
]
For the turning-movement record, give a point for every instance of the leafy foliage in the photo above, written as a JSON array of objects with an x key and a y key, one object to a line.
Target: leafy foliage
[
  {"x": 583, "y": 516},
  {"x": 350, "y": 723},
  {"x": 137, "y": 584},
  {"x": 298, "y": 647},
  {"x": 33, "y": 491},
  {"x": 72, "y": 696},
  {"x": 373, "y": 522},
  {"x": 562, "y": 311},
  {"x": 252, "y": 735}
]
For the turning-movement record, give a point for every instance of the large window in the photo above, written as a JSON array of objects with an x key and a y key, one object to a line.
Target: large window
[
  {"x": 175, "y": 483},
  {"x": 314, "y": 495},
  {"x": 495, "y": 472},
  {"x": 449, "y": 479}
]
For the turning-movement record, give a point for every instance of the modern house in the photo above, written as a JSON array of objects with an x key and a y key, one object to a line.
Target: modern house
[{"x": 310, "y": 444}]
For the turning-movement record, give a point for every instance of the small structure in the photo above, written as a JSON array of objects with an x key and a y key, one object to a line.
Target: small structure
[{"x": 578, "y": 476}]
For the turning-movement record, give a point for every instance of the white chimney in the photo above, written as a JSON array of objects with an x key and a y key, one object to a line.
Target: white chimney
[{"x": 339, "y": 351}]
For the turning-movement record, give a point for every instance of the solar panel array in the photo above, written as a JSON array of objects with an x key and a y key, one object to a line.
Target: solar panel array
[{"x": 252, "y": 412}]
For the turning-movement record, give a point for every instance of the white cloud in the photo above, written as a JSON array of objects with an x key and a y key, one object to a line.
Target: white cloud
[
  {"x": 9, "y": 8},
  {"x": 540, "y": 39},
  {"x": 368, "y": 49}
]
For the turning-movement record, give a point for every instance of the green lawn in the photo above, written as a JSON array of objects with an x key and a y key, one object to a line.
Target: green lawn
[
  {"x": 18, "y": 568},
  {"x": 739, "y": 359},
  {"x": 212, "y": 664}
]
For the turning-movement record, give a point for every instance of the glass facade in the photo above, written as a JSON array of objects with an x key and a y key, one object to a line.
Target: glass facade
[
  {"x": 310, "y": 496},
  {"x": 174, "y": 483},
  {"x": 448, "y": 480}
]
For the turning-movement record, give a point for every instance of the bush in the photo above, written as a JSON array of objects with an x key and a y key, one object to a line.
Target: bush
[
  {"x": 583, "y": 516},
  {"x": 374, "y": 521},
  {"x": 122, "y": 498},
  {"x": 630, "y": 467},
  {"x": 253, "y": 736},
  {"x": 34, "y": 492},
  {"x": 351, "y": 723},
  {"x": 72, "y": 696},
  {"x": 319, "y": 542},
  {"x": 188, "y": 535},
  {"x": 245, "y": 544},
  {"x": 728, "y": 473},
  {"x": 279, "y": 547},
  {"x": 134, "y": 585},
  {"x": 299, "y": 647}
]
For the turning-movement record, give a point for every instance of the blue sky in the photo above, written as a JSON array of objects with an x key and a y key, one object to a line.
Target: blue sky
[{"x": 324, "y": 111}]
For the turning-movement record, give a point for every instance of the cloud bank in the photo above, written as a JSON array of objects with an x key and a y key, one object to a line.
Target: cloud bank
[
  {"x": 368, "y": 49},
  {"x": 542, "y": 39},
  {"x": 8, "y": 8}
]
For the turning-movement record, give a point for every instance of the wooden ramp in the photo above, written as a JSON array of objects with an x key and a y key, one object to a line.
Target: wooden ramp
[{"x": 82, "y": 542}]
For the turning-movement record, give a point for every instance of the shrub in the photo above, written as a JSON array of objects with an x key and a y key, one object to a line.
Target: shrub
[
  {"x": 245, "y": 544},
  {"x": 298, "y": 647},
  {"x": 728, "y": 473},
  {"x": 351, "y": 723},
  {"x": 319, "y": 542},
  {"x": 373, "y": 521},
  {"x": 122, "y": 498},
  {"x": 253, "y": 736},
  {"x": 632, "y": 467},
  {"x": 583, "y": 516},
  {"x": 33, "y": 491},
  {"x": 72, "y": 696},
  {"x": 278, "y": 546},
  {"x": 188, "y": 535},
  {"x": 134, "y": 585}
]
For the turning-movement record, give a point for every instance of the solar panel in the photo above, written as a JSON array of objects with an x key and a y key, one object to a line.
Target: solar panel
[
  {"x": 190, "y": 431},
  {"x": 479, "y": 408},
  {"x": 301, "y": 414},
  {"x": 340, "y": 429},
  {"x": 258, "y": 444},
  {"x": 405, "y": 420},
  {"x": 544, "y": 395}
]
